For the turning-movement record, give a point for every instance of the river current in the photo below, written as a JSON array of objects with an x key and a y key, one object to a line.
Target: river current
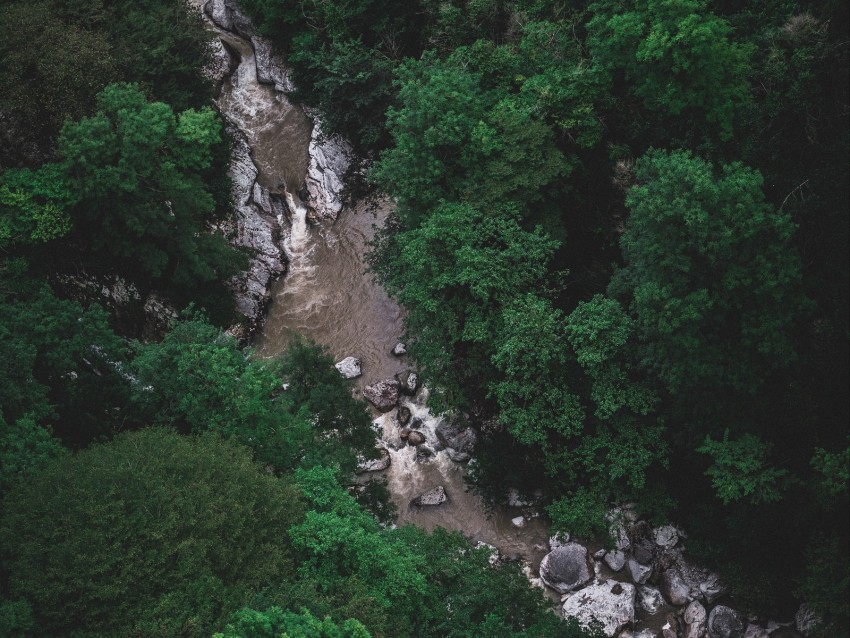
[{"x": 328, "y": 296}]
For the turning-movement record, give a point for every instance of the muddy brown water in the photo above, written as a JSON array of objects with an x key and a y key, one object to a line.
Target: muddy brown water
[{"x": 328, "y": 296}]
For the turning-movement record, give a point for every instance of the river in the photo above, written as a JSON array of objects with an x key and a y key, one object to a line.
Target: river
[{"x": 327, "y": 296}]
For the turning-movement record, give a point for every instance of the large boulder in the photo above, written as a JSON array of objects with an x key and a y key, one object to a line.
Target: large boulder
[
  {"x": 408, "y": 381},
  {"x": 675, "y": 589},
  {"x": 566, "y": 568},
  {"x": 220, "y": 14},
  {"x": 270, "y": 67},
  {"x": 457, "y": 436},
  {"x": 609, "y": 602},
  {"x": 374, "y": 465},
  {"x": 349, "y": 367},
  {"x": 434, "y": 496},
  {"x": 666, "y": 536},
  {"x": 329, "y": 161},
  {"x": 696, "y": 619},
  {"x": 725, "y": 622},
  {"x": 383, "y": 394}
]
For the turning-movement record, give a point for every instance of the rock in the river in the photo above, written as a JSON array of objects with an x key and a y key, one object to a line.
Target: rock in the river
[
  {"x": 221, "y": 63},
  {"x": 566, "y": 567},
  {"x": 408, "y": 381},
  {"x": 399, "y": 349},
  {"x": 674, "y": 587},
  {"x": 329, "y": 161},
  {"x": 349, "y": 367},
  {"x": 754, "y": 631},
  {"x": 383, "y": 394},
  {"x": 518, "y": 521},
  {"x": 403, "y": 415},
  {"x": 666, "y": 537},
  {"x": 806, "y": 619},
  {"x": 649, "y": 599},
  {"x": 696, "y": 620},
  {"x": 424, "y": 453},
  {"x": 639, "y": 573},
  {"x": 270, "y": 67},
  {"x": 375, "y": 465},
  {"x": 457, "y": 436},
  {"x": 434, "y": 496},
  {"x": 415, "y": 438},
  {"x": 725, "y": 622},
  {"x": 609, "y": 602},
  {"x": 615, "y": 560},
  {"x": 255, "y": 228}
]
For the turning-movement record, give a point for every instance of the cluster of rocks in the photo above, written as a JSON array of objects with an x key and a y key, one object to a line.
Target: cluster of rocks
[{"x": 645, "y": 574}]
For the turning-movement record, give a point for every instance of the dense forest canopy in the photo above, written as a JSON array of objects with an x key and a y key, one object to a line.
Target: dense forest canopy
[{"x": 621, "y": 240}]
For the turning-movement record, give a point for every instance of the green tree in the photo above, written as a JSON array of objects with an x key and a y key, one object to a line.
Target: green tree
[
  {"x": 675, "y": 56},
  {"x": 710, "y": 276},
  {"x": 277, "y": 623},
  {"x": 152, "y": 534}
]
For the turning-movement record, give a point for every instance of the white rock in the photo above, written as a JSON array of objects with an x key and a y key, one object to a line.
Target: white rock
[
  {"x": 399, "y": 349},
  {"x": 329, "y": 160},
  {"x": 374, "y": 465},
  {"x": 349, "y": 367},
  {"x": 515, "y": 500},
  {"x": 270, "y": 67},
  {"x": 695, "y": 618},
  {"x": 519, "y": 521},
  {"x": 434, "y": 496},
  {"x": 609, "y": 602},
  {"x": 649, "y": 599}
]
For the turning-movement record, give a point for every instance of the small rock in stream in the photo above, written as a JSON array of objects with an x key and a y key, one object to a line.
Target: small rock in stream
[
  {"x": 434, "y": 496},
  {"x": 399, "y": 349},
  {"x": 408, "y": 381},
  {"x": 403, "y": 416},
  {"x": 349, "y": 367}
]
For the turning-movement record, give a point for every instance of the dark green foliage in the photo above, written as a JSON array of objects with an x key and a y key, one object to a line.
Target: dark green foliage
[
  {"x": 152, "y": 534},
  {"x": 709, "y": 276},
  {"x": 276, "y": 622},
  {"x": 198, "y": 379}
]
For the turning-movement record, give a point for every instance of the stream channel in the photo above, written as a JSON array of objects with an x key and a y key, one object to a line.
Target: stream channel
[{"x": 327, "y": 296}]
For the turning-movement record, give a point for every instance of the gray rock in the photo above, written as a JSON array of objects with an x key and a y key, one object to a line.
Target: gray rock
[
  {"x": 754, "y": 631},
  {"x": 696, "y": 619},
  {"x": 399, "y": 349},
  {"x": 649, "y": 599},
  {"x": 515, "y": 500},
  {"x": 374, "y": 465},
  {"x": 639, "y": 573},
  {"x": 615, "y": 560},
  {"x": 424, "y": 453},
  {"x": 806, "y": 620},
  {"x": 383, "y": 394},
  {"x": 329, "y": 161},
  {"x": 674, "y": 588},
  {"x": 415, "y": 438},
  {"x": 725, "y": 622},
  {"x": 221, "y": 63},
  {"x": 408, "y": 381},
  {"x": 566, "y": 568},
  {"x": 710, "y": 586},
  {"x": 349, "y": 367},
  {"x": 434, "y": 496},
  {"x": 458, "y": 457},
  {"x": 253, "y": 228},
  {"x": 666, "y": 537},
  {"x": 403, "y": 415},
  {"x": 609, "y": 602},
  {"x": 518, "y": 521},
  {"x": 599, "y": 554},
  {"x": 270, "y": 67}
]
